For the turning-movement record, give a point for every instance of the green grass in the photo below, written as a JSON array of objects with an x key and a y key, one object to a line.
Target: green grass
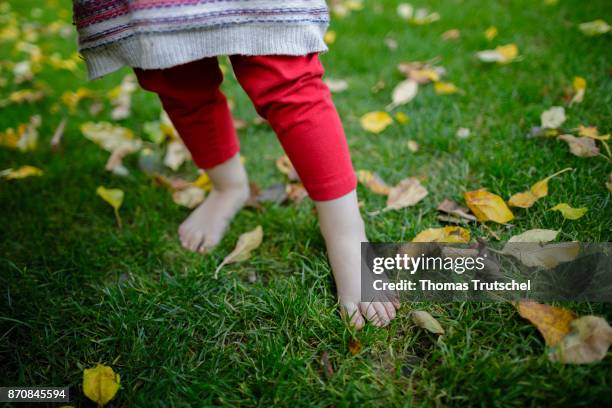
[{"x": 76, "y": 290}]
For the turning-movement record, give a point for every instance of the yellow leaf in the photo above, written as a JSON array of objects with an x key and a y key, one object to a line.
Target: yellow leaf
[
  {"x": 488, "y": 206},
  {"x": 204, "y": 182},
  {"x": 595, "y": 27},
  {"x": 100, "y": 384},
  {"x": 445, "y": 88},
  {"x": 405, "y": 194},
  {"x": 247, "y": 242},
  {"x": 376, "y": 122},
  {"x": 112, "y": 196},
  {"x": 22, "y": 172},
  {"x": 568, "y": 212},
  {"x": 579, "y": 83},
  {"x": 527, "y": 198},
  {"x": 373, "y": 181},
  {"x": 455, "y": 235},
  {"x": 592, "y": 132},
  {"x": 426, "y": 321},
  {"x": 588, "y": 342},
  {"x": 509, "y": 52},
  {"x": 330, "y": 37},
  {"x": 552, "y": 322},
  {"x": 402, "y": 118},
  {"x": 490, "y": 33},
  {"x": 502, "y": 54},
  {"x": 425, "y": 75}
]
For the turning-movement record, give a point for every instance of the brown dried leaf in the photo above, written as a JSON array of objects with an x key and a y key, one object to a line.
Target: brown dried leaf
[
  {"x": 407, "y": 193},
  {"x": 450, "y": 207},
  {"x": 588, "y": 342},
  {"x": 581, "y": 146},
  {"x": 552, "y": 322},
  {"x": 284, "y": 165}
]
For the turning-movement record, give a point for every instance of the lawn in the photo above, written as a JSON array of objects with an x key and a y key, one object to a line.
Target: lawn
[{"x": 77, "y": 290}]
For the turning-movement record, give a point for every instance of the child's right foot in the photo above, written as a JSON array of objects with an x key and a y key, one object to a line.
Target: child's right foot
[{"x": 204, "y": 228}]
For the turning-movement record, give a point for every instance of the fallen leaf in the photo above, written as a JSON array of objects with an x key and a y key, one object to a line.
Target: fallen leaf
[
  {"x": 588, "y": 342},
  {"x": 451, "y": 35},
  {"x": 487, "y": 206},
  {"x": 110, "y": 137},
  {"x": 463, "y": 133},
  {"x": 114, "y": 163},
  {"x": 114, "y": 197},
  {"x": 424, "y": 75},
  {"x": 402, "y": 118},
  {"x": 100, "y": 384},
  {"x": 336, "y": 85},
  {"x": 552, "y": 322},
  {"x": 405, "y": 11},
  {"x": 354, "y": 346},
  {"x": 490, "y": 33},
  {"x": 579, "y": 84},
  {"x": 405, "y": 194},
  {"x": 176, "y": 154},
  {"x": 21, "y": 172},
  {"x": 450, "y": 207},
  {"x": 373, "y": 181},
  {"x": 553, "y": 118},
  {"x": 412, "y": 146},
  {"x": 422, "y": 16},
  {"x": 445, "y": 88},
  {"x": 204, "y": 182},
  {"x": 456, "y": 235},
  {"x": 330, "y": 37},
  {"x": 284, "y": 165},
  {"x": 189, "y": 197},
  {"x": 247, "y": 242},
  {"x": 526, "y": 199},
  {"x": 595, "y": 27},
  {"x": 568, "y": 212},
  {"x": 276, "y": 193},
  {"x": 503, "y": 54},
  {"x": 581, "y": 146},
  {"x": 426, "y": 321},
  {"x": 536, "y": 255},
  {"x": 403, "y": 93},
  {"x": 121, "y": 97},
  {"x": 56, "y": 140},
  {"x": 375, "y": 122},
  {"x": 327, "y": 367},
  {"x": 296, "y": 192},
  {"x": 535, "y": 235}
]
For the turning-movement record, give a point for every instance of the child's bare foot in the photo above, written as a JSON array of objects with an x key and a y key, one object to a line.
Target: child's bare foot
[
  {"x": 204, "y": 228},
  {"x": 343, "y": 230}
]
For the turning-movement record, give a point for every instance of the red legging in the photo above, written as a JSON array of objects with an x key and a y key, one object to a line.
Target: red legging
[{"x": 286, "y": 90}]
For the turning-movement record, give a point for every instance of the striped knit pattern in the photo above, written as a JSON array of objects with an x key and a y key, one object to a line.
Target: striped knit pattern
[{"x": 162, "y": 33}]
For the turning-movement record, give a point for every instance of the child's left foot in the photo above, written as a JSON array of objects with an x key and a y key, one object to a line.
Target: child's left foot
[{"x": 343, "y": 230}]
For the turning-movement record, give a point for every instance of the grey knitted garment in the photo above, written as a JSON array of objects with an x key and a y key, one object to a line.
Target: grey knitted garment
[{"x": 153, "y": 34}]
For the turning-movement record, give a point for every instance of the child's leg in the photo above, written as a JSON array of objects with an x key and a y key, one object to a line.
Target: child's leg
[
  {"x": 289, "y": 92},
  {"x": 190, "y": 95}
]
